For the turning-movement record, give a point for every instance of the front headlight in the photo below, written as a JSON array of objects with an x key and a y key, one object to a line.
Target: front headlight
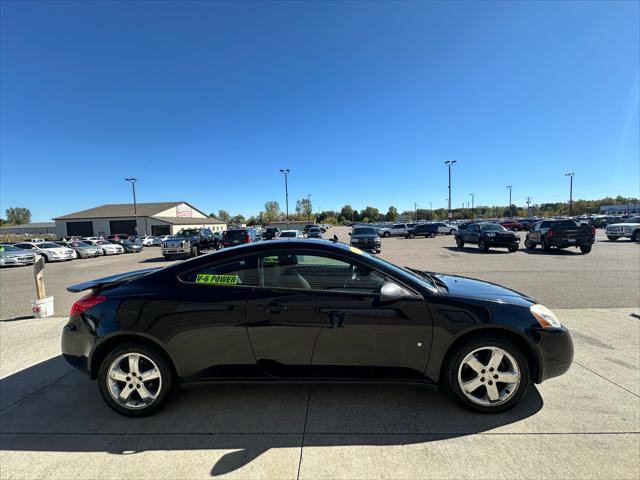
[
  {"x": 354, "y": 240},
  {"x": 545, "y": 317},
  {"x": 491, "y": 234}
]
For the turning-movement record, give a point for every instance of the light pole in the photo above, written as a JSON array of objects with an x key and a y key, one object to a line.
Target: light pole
[
  {"x": 309, "y": 200},
  {"x": 472, "y": 205},
  {"x": 449, "y": 163},
  {"x": 510, "y": 187},
  {"x": 570, "y": 175},
  {"x": 135, "y": 208},
  {"x": 285, "y": 172}
]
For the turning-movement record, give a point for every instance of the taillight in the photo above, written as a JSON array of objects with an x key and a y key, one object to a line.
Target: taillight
[
  {"x": 593, "y": 231},
  {"x": 550, "y": 233},
  {"x": 85, "y": 303},
  {"x": 248, "y": 239}
]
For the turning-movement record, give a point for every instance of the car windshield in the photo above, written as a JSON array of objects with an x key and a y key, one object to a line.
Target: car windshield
[
  {"x": 402, "y": 272},
  {"x": 314, "y": 229},
  {"x": 48, "y": 245},
  {"x": 364, "y": 231},
  {"x": 288, "y": 234},
  {"x": 633, "y": 220},
  {"x": 9, "y": 248},
  {"x": 492, "y": 227},
  {"x": 190, "y": 232}
]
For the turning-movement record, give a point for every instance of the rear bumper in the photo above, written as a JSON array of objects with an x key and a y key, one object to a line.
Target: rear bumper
[
  {"x": 555, "y": 348},
  {"x": 76, "y": 344},
  {"x": 368, "y": 247}
]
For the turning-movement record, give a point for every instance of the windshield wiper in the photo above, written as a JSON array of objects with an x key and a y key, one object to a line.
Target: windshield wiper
[{"x": 432, "y": 278}]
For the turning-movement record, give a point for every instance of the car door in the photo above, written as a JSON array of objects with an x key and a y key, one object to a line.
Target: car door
[
  {"x": 470, "y": 234},
  {"x": 318, "y": 315},
  {"x": 201, "y": 319},
  {"x": 534, "y": 233}
]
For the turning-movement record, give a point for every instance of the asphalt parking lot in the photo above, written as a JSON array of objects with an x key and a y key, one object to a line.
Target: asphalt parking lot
[{"x": 585, "y": 424}]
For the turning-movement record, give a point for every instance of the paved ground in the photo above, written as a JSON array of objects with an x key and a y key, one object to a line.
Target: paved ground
[{"x": 586, "y": 424}]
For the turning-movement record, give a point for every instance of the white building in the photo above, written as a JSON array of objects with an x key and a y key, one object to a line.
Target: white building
[
  {"x": 621, "y": 209},
  {"x": 164, "y": 218}
]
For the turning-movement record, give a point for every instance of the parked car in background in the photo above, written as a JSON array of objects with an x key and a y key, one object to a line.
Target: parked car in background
[
  {"x": 630, "y": 228},
  {"x": 315, "y": 232},
  {"x": 52, "y": 252},
  {"x": 189, "y": 242},
  {"x": 238, "y": 236},
  {"x": 13, "y": 256},
  {"x": 395, "y": 230},
  {"x": 147, "y": 240},
  {"x": 422, "y": 230},
  {"x": 528, "y": 223},
  {"x": 271, "y": 233},
  {"x": 82, "y": 249},
  {"x": 488, "y": 235},
  {"x": 116, "y": 237},
  {"x": 366, "y": 238},
  {"x": 561, "y": 234},
  {"x": 446, "y": 228},
  {"x": 291, "y": 234},
  {"x": 157, "y": 241},
  {"x": 511, "y": 224},
  {"x": 107, "y": 247},
  {"x": 131, "y": 247}
]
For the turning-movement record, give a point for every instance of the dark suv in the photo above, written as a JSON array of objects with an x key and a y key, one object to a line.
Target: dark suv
[
  {"x": 487, "y": 235},
  {"x": 271, "y": 232},
  {"x": 422, "y": 230},
  {"x": 238, "y": 236},
  {"x": 366, "y": 238}
]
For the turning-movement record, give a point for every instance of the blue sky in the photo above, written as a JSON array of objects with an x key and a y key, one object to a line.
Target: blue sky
[{"x": 206, "y": 101}]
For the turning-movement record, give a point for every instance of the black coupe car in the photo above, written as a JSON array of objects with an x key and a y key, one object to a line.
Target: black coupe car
[{"x": 311, "y": 311}]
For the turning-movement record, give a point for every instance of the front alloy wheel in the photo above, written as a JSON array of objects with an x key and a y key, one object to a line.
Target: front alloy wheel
[
  {"x": 135, "y": 380},
  {"x": 488, "y": 375}
]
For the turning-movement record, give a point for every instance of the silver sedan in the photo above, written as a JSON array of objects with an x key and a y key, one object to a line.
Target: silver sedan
[{"x": 13, "y": 256}]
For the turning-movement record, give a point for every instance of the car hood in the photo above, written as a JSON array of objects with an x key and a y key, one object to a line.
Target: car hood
[
  {"x": 10, "y": 253},
  {"x": 370, "y": 237},
  {"x": 473, "y": 288},
  {"x": 623, "y": 224}
]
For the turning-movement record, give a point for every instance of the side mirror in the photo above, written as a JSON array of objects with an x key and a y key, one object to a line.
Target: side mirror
[{"x": 389, "y": 292}]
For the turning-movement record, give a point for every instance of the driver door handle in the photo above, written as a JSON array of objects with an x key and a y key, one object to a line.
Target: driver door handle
[{"x": 273, "y": 308}]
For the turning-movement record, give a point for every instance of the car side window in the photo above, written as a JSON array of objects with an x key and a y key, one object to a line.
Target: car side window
[
  {"x": 237, "y": 272},
  {"x": 318, "y": 272}
]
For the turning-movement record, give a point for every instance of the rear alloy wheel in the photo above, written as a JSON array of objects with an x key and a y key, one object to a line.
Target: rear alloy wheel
[
  {"x": 529, "y": 245},
  {"x": 451, "y": 232},
  {"x": 635, "y": 236},
  {"x": 135, "y": 380},
  {"x": 483, "y": 245},
  {"x": 585, "y": 249},
  {"x": 412, "y": 235},
  {"x": 386, "y": 234},
  {"x": 488, "y": 374},
  {"x": 459, "y": 243},
  {"x": 194, "y": 251}
]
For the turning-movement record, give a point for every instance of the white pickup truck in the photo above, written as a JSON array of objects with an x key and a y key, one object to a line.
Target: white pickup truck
[{"x": 630, "y": 228}]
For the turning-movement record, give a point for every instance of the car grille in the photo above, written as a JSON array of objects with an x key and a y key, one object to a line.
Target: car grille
[
  {"x": 25, "y": 259},
  {"x": 614, "y": 229}
]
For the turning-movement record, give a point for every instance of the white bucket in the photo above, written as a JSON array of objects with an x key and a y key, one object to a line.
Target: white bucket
[{"x": 42, "y": 308}]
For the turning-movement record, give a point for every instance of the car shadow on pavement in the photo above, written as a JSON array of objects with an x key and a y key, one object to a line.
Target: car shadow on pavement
[
  {"x": 53, "y": 408},
  {"x": 553, "y": 251},
  {"x": 160, "y": 259}
]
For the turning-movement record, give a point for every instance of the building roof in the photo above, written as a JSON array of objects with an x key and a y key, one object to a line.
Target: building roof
[
  {"x": 123, "y": 210},
  {"x": 191, "y": 221}
]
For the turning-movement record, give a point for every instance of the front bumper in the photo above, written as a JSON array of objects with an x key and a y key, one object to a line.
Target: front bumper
[
  {"x": 15, "y": 261},
  {"x": 502, "y": 243},
  {"x": 555, "y": 350},
  {"x": 368, "y": 246},
  {"x": 176, "y": 251}
]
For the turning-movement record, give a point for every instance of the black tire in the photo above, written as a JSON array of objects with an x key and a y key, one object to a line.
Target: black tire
[
  {"x": 452, "y": 231},
  {"x": 456, "y": 356},
  {"x": 459, "y": 243},
  {"x": 432, "y": 235},
  {"x": 513, "y": 248},
  {"x": 46, "y": 259},
  {"x": 483, "y": 245},
  {"x": 613, "y": 239},
  {"x": 529, "y": 245},
  {"x": 545, "y": 245},
  {"x": 585, "y": 249},
  {"x": 168, "y": 257},
  {"x": 635, "y": 236},
  {"x": 166, "y": 375},
  {"x": 386, "y": 234},
  {"x": 194, "y": 251},
  {"x": 412, "y": 235}
]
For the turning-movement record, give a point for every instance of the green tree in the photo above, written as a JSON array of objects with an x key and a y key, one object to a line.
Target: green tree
[
  {"x": 271, "y": 213},
  {"x": 237, "y": 219},
  {"x": 392, "y": 214},
  {"x": 224, "y": 216},
  {"x": 304, "y": 207},
  {"x": 18, "y": 215},
  {"x": 372, "y": 214},
  {"x": 347, "y": 212}
]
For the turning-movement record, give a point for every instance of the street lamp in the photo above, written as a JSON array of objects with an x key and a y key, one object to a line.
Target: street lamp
[
  {"x": 570, "y": 175},
  {"x": 449, "y": 163},
  {"x": 135, "y": 210},
  {"x": 472, "y": 205},
  {"x": 510, "y": 212},
  {"x": 309, "y": 205},
  {"x": 285, "y": 172}
]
